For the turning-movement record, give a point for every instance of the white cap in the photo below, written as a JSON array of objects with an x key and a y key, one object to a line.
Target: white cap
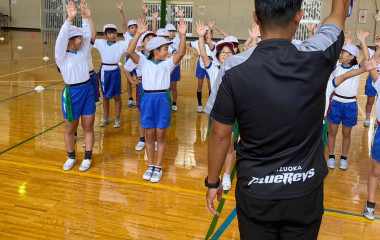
[
  {"x": 156, "y": 42},
  {"x": 231, "y": 39},
  {"x": 351, "y": 49},
  {"x": 132, "y": 22},
  {"x": 170, "y": 27},
  {"x": 74, "y": 31},
  {"x": 144, "y": 35},
  {"x": 162, "y": 32},
  {"x": 111, "y": 26},
  {"x": 223, "y": 43}
]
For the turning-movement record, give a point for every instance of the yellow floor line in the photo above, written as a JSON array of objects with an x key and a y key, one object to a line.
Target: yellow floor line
[
  {"x": 113, "y": 179},
  {"x": 349, "y": 217}
]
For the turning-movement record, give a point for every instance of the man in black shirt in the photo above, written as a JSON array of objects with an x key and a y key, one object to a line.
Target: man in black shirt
[{"x": 276, "y": 91}]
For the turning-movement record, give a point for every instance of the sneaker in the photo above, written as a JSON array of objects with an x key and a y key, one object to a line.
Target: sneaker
[
  {"x": 148, "y": 174},
  {"x": 331, "y": 163},
  {"x": 105, "y": 123},
  {"x": 131, "y": 103},
  {"x": 69, "y": 164},
  {"x": 156, "y": 176},
  {"x": 226, "y": 183},
  {"x": 84, "y": 143},
  {"x": 369, "y": 213},
  {"x": 140, "y": 146},
  {"x": 174, "y": 108},
  {"x": 366, "y": 123},
  {"x": 117, "y": 124},
  {"x": 199, "y": 109},
  {"x": 86, "y": 164},
  {"x": 155, "y": 146},
  {"x": 343, "y": 164}
]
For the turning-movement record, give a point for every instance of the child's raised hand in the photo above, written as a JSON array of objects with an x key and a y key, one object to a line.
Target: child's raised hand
[
  {"x": 218, "y": 31},
  {"x": 254, "y": 32},
  {"x": 310, "y": 27},
  {"x": 85, "y": 10},
  {"x": 348, "y": 40},
  {"x": 200, "y": 28},
  {"x": 180, "y": 12},
  {"x": 142, "y": 26},
  {"x": 367, "y": 33},
  {"x": 155, "y": 14},
  {"x": 361, "y": 35},
  {"x": 210, "y": 24},
  {"x": 120, "y": 6},
  {"x": 182, "y": 27},
  {"x": 71, "y": 11},
  {"x": 145, "y": 9},
  {"x": 370, "y": 65}
]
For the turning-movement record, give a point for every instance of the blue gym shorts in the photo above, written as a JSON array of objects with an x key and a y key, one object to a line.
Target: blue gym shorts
[
  {"x": 95, "y": 85},
  {"x": 176, "y": 74},
  {"x": 376, "y": 145},
  {"x": 201, "y": 72},
  {"x": 139, "y": 90},
  {"x": 347, "y": 113},
  {"x": 111, "y": 84},
  {"x": 370, "y": 91},
  {"x": 155, "y": 110},
  {"x": 82, "y": 101}
]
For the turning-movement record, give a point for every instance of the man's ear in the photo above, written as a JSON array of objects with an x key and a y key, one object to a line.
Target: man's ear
[
  {"x": 255, "y": 18},
  {"x": 298, "y": 17}
]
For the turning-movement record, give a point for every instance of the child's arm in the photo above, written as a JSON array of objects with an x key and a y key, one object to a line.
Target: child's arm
[
  {"x": 123, "y": 22},
  {"x": 310, "y": 30},
  {"x": 145, "y": 10},
  {"x": 220, "y": 32},
  {"x": 374, "y": 73},
  {"x": 367, "y": 66},
  {"x": 142, "y": 27},
  {"x": 86, "y": 25},
  {"x": 210, "y": 25},
  {"x": 361, "y": 37},
  {"x": 202, "y": 48},
  {"x": 339, "y": 13},
  {"x": 129, "y": 77},
  {"x": 62, "y": 38},
  {"x": 192, "y": 49},
  {"x": 182, "y": 29},
  {"x": 254, "y": 34},
  {"x": 155, "y": 17}
]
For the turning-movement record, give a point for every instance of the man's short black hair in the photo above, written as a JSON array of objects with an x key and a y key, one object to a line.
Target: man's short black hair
[{"x": 277, "y": 12}]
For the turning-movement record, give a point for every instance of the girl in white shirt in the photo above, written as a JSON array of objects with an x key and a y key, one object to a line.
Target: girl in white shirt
[
  {"x": 78, "y": 100},
  {"x": 155, "y": 103}
]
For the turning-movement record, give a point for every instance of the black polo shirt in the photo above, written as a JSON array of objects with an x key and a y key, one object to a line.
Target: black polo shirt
[{"x": 276, "y": 91}]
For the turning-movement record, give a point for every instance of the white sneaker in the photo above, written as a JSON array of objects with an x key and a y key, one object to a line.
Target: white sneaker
[
  {"x": 155, "y": 146},
  {"x": 174, "y": 108},
  {"x": 117, "y": 124},
  {"x": 331, "y": 163},
  {"x": 199, "y": 109},
  {"x": 343, "y": 164},
  {"x": 84, "y": 143},
  {"x": 226, "y": 183},
  {"x": 366, "y": 123},
  {"x": 140, "y": 146},
  {"x": 369, "y": 213},
  {"x": 105, "y": 123},
  {"x": 131, "y": 103},
  {"x": 86, "y": 164},
  {"x": 148, "y": 174},
  {"x": 156, "y": 176},
  {"x": 69, "y": 164}
]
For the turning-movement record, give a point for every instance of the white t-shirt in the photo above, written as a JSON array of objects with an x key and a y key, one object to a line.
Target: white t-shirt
[
  {"x": 128, "y": 37},
  {"x": 73, "y": 66},
  {"x": 213, "y": 71},
  {"x": 130, "y": 65},
  {"x": 89, "y": 59},
  {"x": 176, "y": 40},
  {"x": 110, "y": 53},
  {"x": 156, "y": 76},
  {"x": 348, "y": 88},
  {"x": 376, "y": 85}
]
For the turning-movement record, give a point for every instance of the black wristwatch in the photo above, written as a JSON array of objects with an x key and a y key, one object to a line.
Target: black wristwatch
[{"x": 212, "y": 185}]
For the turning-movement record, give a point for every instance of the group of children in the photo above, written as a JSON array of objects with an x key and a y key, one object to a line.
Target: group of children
[{"x": 154, "y": 58}]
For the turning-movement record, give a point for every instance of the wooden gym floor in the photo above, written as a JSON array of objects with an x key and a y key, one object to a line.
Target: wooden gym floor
[{"x": 38, "y": 200}]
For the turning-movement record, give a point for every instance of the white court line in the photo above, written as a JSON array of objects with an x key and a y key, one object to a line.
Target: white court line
[{"x": 25, "y": 70}]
